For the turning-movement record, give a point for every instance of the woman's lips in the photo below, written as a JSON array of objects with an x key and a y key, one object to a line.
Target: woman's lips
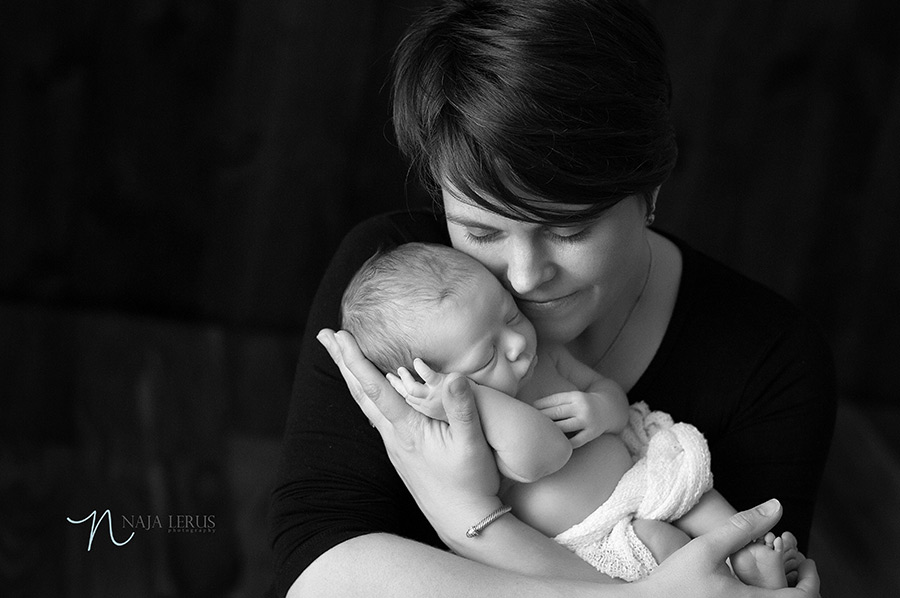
[{"x": 536, "y": 308}]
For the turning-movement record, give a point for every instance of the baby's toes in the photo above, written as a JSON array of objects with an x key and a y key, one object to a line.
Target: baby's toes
[{"x": 759, "y": 565}]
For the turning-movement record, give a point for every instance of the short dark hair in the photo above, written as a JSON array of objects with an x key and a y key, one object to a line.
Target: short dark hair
[
  {"x": 393, "y": 298},
  {"x": 533, "y": 103}
]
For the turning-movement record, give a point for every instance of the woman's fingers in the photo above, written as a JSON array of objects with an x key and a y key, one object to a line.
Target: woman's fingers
[
  {"x": 328, "y": 340},
  {"x": 373, "y": 384},
  {"x": 374, "y": 394},
  {"x": 808, "y": 578},
  {"x": 742, "y": 528},
  {"x": 459, "y": 405}
]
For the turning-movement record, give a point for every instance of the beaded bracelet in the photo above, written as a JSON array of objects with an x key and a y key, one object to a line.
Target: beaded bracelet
[{"x": 478, "y": 527}]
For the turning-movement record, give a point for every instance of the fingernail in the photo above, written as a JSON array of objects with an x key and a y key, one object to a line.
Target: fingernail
[
  {"x": 458, "y": 386},
  {"x": 326, "y": 342},
  {"x": 322, "y": 338},
  {"x": 770, "y": 507}
]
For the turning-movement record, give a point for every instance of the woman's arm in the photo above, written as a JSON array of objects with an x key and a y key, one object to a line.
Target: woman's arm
[
  {"x": 449, "y": 469},
  {"x": 443, "y": 465},
  {"x": 388, "y": 566}
]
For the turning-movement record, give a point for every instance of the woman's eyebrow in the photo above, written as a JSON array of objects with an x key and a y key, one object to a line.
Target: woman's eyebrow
[{"x": 463, "y": 221}]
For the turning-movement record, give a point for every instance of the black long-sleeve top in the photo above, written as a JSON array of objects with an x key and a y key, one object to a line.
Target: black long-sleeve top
[{"x": 750, "y": 371}]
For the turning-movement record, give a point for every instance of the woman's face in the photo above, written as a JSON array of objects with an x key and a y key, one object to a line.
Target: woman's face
[{"x": 564, "y": 279}]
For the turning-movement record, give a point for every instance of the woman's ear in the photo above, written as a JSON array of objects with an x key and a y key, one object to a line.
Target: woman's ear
[{"x": 651, "y": 207}]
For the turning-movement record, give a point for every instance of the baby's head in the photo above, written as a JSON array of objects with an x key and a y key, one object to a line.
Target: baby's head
[{"x": 437, "y": 303}]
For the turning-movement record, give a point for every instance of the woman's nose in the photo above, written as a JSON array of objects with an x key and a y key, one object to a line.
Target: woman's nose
[{"x": 527, "y": 268}]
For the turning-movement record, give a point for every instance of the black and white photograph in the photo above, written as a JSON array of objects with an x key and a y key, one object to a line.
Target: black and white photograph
[{"x": 449, "y": 298}]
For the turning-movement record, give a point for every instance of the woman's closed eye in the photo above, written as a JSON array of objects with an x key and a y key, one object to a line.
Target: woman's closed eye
[
  {"x": 569, "y": 234},
  {"x": 480, "y": 235}
]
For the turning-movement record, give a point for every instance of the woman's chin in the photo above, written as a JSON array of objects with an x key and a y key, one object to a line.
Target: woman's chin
[{"x": 557, "y": 333}]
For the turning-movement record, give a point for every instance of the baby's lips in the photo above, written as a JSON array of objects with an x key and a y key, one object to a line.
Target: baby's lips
[{"x": 530, "y": 368}]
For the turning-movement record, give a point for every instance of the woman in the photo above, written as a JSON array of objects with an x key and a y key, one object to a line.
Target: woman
[{"x": 545, "y": 126}]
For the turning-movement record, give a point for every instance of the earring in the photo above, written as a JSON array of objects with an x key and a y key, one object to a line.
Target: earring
[{"x": 651, "y": 216}]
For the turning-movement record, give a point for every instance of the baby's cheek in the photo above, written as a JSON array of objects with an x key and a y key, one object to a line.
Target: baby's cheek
[{"x": 482, "y": 378}]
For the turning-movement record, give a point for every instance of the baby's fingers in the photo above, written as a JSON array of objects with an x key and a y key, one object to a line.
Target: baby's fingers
[
  {"x": 554, "y": 400},
  {"x": 581, "y": 439},
  {"x": 398, "y": 385},
  {"x": 427, "y": 374},
  {"x": 558, "y": 412},
  {"x": 569, "y": 425},
  {"x": 413, "y": 387},
  {"x": 404, "y": 392}
]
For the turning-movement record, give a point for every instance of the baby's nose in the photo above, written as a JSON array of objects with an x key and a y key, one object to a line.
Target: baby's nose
[{"x": 515, "y": 345}]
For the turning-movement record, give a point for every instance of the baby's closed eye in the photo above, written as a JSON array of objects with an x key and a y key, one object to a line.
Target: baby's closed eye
[{"x": 489, "y": 361}]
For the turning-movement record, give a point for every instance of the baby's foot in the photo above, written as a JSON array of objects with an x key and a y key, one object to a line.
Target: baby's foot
[
  {"x": 792, "y": 558},
  {"x": 767, "y": 562}
]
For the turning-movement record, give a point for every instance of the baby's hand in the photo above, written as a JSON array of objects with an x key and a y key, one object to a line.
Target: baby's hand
[
  {"x": 576, "y": 412},
  {"x": 424, "y": 398}
]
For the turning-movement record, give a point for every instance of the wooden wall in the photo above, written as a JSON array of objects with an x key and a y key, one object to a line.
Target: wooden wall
[
  {"x": 202, "y": 159},
  {"x": 174, "y": 176}
]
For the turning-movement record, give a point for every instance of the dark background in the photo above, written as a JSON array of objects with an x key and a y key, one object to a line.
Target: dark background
[{"x": 175, "y": 175}]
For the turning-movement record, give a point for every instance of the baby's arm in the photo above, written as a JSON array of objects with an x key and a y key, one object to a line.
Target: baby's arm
[
  {"x": 597, "y": 407},
  {"x": 527, "y": 445}
]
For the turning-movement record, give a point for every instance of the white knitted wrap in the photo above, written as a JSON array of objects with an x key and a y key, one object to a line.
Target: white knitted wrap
[{"x": 670, "y": 474}]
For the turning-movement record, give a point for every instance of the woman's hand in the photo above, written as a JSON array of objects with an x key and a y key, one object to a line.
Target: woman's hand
[
  {"x": 448, "y": 467},
  {"x": 698, "y": 570}
]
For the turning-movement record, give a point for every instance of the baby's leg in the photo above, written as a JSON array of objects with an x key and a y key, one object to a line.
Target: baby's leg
[
  {"x": 768, "y": 562},
  {"x": 660, "y": 537}
]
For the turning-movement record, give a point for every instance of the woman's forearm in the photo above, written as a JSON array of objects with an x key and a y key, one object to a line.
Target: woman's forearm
[
  {"x": 514, "y": 546},
  {"x": 389, "y": 566}
]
